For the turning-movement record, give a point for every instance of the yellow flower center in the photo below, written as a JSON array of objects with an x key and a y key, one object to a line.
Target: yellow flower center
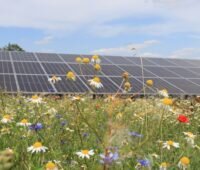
[
  {"x": 170, "y": 142},
  {"x": 96, "y": 79},
  {"x": 125, "y": 75},
  {"x": 163, "y": 164},
  {"x": 7, "y": 117},
  {"x": 167, "y": 101},
  {"x": 97, "y": 67},
  {"x": 127, "y": 85},
  {"x": 86, "y": 60},
  {"x": 149, "y": 82},
  {"x": 24, "y": 121},
  {"x": 37, "y": 145},
  {"x": 50, "y": 165},
  {"x": 95, "y": 57},
  {"x": 85, "y": 152},
  {"x": 54, "y": 77},
  {"x": 70, "y": 75},
  {"x": 35, "y": 97},
  {"x": 185, "y": 160},
  {"x": 78, "y": 60}
]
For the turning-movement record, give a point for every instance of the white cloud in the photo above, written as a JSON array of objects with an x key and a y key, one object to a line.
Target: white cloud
[
  {"x": 72, "y": 15},
  {"x": 186, "y": 53},
  {"x": 127, "y": 50},
  {"x": 45, "y": 40}
]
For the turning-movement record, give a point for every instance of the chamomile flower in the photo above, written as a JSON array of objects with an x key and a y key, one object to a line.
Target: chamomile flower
[
  {"x": 97, "y": 67},
  {"x": 163, "y": 166},
  {"x": 54, "y": 79},
  {"x": 85, "y": 153},
  {"x": 51, "y": 166},
  {"x": 35, "y": 99},
  {"x": 96, "y": 82},
  {"x": 77, "y": 98},
  {"x": 149, "y": 82},
  {"x": 78, "y": 59},
  {"x": 71, "y": 76},
  {"x": 167, "y": 101},
  {"x": 168, "y": 144},
  {"x": 37, "y": 147},
  {"x": 190, "y": 138},
  {"x": 184, "y": 163},
  {"x": 24, "y": 122},
  {"x": 163, "y": 93},
  {"x": 95, "y": 59},
  {"x": 127, "y": 86},
  {"x": 86, "y": 60},
  {"x": 7, "y": 119}
]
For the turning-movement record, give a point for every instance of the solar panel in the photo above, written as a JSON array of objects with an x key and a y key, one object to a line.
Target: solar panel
[
  {"x": 183, "y": 72},
  {"x": 56, "y": 68},
  {"x": 179, "y": 62},
  {"x": 108, "y": 85},
  {"x": 7, "y": 83},
  {"x": 187, "y": 86},
  {"x": 71, "y": 86},
  {"x": 162, "y": 62},
  {"x": 71, "y": 58},
  {"x": 34, "y": 83},
  {"x": 119, "y": 60},
  {"x": 137, "y": 86},
  {"x": 22, "y": 56},
  {"x": 84, "y": 69},
  {"x": 111, "y": 70},
  {"x": 6, "y": 67},
  {"x": 48, "y": 57},
  {"x": 28, "y": 68},
  {"x": 29, "y": 73},
  {"x": 4, "y": 56},
  {"x": 161, "y": 72}
]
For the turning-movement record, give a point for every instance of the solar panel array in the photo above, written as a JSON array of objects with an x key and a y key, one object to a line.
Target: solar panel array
[{"x": 29, "y": 72}]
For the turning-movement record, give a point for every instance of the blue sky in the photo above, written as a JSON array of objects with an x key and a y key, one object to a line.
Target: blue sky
[{"x": 156, "y": 28}]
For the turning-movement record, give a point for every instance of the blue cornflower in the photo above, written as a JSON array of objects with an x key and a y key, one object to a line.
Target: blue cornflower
[
  {"x": 63, "y": 123},
  {"x": 109, "y": 157},
  {"x": 36, "y": 126},
  {"x": 144, "y": 162},
  {"x": 135, "y": 134}
]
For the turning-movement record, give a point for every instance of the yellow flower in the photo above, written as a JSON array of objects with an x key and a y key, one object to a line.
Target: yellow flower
[
  {"x": 149, "y": 82},
  {"x": 127, "y": 86},
  {"x": 86, "y": 60},
  {"x": 6, "y": 119},
  {"x": 167, "y": 101},
  {"x": 96, "y": 82},
  {"x": 97, "y": 67},
  {"x": 51, "y": 166},
  {"x": 184, "y": 162},
  {"x": 95, "y": 57},
  {"x": 78, "y": 59},
  {"x": 125, "y": 75},
  {"x": 71, "y": 76}
]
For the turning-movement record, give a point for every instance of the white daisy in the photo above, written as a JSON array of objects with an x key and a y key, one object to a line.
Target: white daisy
[
  {"x": 77, "y": 98},
  {"x": 163, "y": 93},
  {"x": 51, "y": 166},
  {"x": 35, "y": 99},
  {"x": 7, "y": 119},
  {"x": 24, "y": 122},
  {"x": 85, "y": 153},
  {"x": 169, "y": 144},
  {"x": 184, "y": 163},
  {"x": 163, "y": 166},
  {"x": 37, "y": 147},
  {"x": 96, "y": 82},
  {"x": 54, "y": 79},
  {"x": 190, "y": 138}
]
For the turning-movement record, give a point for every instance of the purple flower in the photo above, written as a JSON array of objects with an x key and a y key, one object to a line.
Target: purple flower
[
  {"x": 144, "y": 162},
  {"x": 109, "y": 158},
  {"x": 63, "y": 123},
  {"x": 135, "y": 134},
  {"x": 36, "y": 126}
]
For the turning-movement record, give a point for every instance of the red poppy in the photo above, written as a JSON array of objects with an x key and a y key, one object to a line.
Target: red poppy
[{"x": 183, "y": 119}]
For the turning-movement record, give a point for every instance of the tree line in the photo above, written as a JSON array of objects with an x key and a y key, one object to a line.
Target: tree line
[{"x": 12, "y": 47}]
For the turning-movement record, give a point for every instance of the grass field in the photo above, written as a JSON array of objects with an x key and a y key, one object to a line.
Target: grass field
[{"x": 106, "y": 133}]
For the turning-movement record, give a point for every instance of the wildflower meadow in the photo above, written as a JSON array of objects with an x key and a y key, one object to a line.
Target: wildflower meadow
[{"x": 110, "y": 132}]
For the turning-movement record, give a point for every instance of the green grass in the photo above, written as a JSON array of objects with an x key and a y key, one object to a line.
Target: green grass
[{"x": 98, "y": 125}]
